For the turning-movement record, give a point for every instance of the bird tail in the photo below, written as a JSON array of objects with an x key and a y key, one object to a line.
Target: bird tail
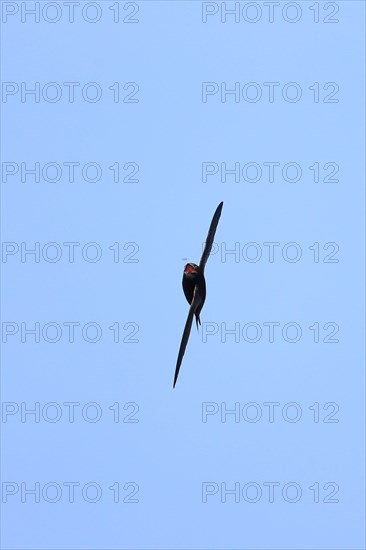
[{"x": 198, "y": 320}]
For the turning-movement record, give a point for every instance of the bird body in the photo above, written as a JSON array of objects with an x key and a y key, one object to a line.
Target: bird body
[
  {"x": 193, "y": 276},
  {"x": 194, "y": 288}
]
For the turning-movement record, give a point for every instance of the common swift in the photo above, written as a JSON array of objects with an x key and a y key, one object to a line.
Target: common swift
[{"x": 194, "y": 287}]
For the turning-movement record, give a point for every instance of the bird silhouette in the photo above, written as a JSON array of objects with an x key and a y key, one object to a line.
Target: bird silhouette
[{"x": 194, "y": 287}]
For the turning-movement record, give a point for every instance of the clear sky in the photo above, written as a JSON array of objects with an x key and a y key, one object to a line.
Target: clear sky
[{"x": 143, "y": 117}]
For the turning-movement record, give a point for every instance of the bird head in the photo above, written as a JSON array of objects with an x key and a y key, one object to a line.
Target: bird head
[{"x": 190, "y": 270}]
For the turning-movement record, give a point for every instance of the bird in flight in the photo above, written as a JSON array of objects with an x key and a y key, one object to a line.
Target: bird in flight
[{"x": 194, "y": 287}]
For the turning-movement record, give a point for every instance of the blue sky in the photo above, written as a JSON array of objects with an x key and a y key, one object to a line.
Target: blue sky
[{"x": 145, "y": 116}]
